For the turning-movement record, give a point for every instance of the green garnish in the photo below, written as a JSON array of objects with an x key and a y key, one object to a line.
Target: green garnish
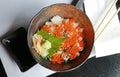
[{"x": 56, "y": 42}]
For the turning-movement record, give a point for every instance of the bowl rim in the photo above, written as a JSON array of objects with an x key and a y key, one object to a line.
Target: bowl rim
[{"x": 36, "y": 15}]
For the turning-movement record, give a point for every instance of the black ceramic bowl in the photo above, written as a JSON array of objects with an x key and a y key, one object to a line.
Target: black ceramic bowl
[{"x": 65, "y": 11}]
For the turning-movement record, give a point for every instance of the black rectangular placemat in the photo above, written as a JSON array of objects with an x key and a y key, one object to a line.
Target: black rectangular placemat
[{"x": 16, "y": 43}]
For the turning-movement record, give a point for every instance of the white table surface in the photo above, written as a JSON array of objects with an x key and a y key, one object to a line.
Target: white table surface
[{"x": 15, "y": 14}]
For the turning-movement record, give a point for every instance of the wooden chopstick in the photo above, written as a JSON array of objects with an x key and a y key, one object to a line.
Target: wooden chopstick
[
  {"x": 106, "y": 15},
  {"x": 108, "y": 23}
]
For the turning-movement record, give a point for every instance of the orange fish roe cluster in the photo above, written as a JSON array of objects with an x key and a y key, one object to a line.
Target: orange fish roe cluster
[{"x": 73, "y": 45}]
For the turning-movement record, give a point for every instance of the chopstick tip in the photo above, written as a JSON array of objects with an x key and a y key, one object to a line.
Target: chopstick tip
[{"x": 118, "y": 8}]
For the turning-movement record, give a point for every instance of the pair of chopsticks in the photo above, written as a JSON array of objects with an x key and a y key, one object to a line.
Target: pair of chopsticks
[{"x": 107, "y": 13}]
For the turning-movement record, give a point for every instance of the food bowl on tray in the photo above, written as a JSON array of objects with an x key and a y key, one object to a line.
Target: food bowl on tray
[{"x": 53, "y": 14}]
